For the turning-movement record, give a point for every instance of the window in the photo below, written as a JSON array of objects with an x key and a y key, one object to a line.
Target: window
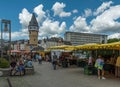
[
  {"x": 30, "y": 27},
  {"x": 35, "y": 27}
]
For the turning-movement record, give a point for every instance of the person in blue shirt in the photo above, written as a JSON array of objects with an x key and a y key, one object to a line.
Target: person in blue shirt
[
  {"x": 29, "y": 63},
  {"x": 99, "y": 65}
]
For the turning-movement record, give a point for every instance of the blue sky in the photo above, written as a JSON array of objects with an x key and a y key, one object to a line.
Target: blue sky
[{"x": 57, "y": 16}]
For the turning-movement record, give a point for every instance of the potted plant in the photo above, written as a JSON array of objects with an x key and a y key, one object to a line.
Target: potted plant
[{"x": 4, "y": 67}]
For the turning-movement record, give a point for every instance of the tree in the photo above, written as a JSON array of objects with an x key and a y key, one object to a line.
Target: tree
[
  {"x": 113, "y": 40},
  {"x": 6, "y": 48}
]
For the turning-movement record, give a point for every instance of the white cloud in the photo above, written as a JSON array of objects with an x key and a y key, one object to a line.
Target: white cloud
[
  {"x": 74, "y": 18},
  {"x": 58, "y": 9},
  {"x": 80, "y": 25},
  {"x": 115, "y": 35},
  {"x": 16, "y": 35},
  {"x": 103, "y": 7},
  {"x": 25, "y": 17},
  {"x": 52, "y": 28},
  {"x": 40, "y": 13},
  {"x": 65, "y": 14},
  {"x": 87, "y": 13},
  {"x": 20, "y": 35},
  {"x": 75, "y": 11},
  {"x": 107, "y": 21},
  {"x": 48, "y": 27}
]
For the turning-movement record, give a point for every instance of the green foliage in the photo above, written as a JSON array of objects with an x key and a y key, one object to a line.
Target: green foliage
[
  {"x": 4, "y": 63},
  {"x": 6, "y": 48},
  {"x": 113, "y": 40}
]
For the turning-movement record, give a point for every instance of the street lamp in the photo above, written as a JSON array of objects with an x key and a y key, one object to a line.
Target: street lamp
[{"x": 5, "y": 28}]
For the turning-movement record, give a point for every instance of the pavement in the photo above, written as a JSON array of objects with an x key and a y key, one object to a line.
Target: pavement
[{"x": 45, "y": 76}]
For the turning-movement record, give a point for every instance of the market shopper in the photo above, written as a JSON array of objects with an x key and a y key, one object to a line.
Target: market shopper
[
  {"x": 39, "y": 59},
  {"x": 28, "y": 62},
  {"x": 90, "y": 61},
  {"x": 112, "y": 63},
  {"x": 20, "y": 68},
  {"x": 99, "y": 65},
  {"x": 47, "y": 58},
  {"x": 13, "y": 66},
  {"x": 117, "y": 67},
  {"x": 54, "y": 61}
]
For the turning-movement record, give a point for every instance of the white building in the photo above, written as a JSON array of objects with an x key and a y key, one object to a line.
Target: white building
[
  {"x": 19, "y": 44},
  {"x": 54, "y": 41},
  {"x": 77, "y": 38}
]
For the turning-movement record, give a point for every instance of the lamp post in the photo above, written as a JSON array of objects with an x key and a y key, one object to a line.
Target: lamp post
[
  {"x": 5, "y": 28},
  {"x": 1, "y": 41},
  {"x": 31, "y": 47}
]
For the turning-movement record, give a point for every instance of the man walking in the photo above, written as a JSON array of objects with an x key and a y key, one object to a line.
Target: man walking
[
  {"x": 39, "y": 59},
  {"x": 54, "y": 61}
]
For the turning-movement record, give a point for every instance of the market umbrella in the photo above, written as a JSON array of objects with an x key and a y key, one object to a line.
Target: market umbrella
[
  {"x": 59, "y": 47},
  {"x": 91, "y": 46},
  {"x": 112, "y": 46},
  {"x": 70, "y": 48},
  {"x": 14, "y": 51},
  {"x": 39, "y": 48}
]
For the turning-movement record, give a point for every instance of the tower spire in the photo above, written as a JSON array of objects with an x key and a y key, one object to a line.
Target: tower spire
[
  {"x": 33, "y": 24},
  {"x": 33, "y": 21}
]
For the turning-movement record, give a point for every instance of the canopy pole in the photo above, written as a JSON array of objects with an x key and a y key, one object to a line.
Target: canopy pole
[{"x": 96, "y": 53}]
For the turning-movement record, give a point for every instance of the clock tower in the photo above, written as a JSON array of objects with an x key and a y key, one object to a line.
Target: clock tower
[{"x": 33, "y": 29}]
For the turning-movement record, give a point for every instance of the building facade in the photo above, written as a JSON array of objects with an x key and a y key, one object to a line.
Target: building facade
[
  {"x": 77, "y": 38},
  {"x": 54, "y": 41},
  {"x": 19, "y": 45}
]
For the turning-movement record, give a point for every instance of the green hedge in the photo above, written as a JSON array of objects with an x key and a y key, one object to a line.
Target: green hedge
[{"x": 4, "y": 63}]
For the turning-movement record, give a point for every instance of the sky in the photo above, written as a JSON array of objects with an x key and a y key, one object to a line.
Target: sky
[{"x": 55, "y": 17}]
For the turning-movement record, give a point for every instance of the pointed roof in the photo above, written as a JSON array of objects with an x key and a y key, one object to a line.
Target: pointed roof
[
  {"x": 39, "y": 48},
  {"x": 33, "y": 21}
]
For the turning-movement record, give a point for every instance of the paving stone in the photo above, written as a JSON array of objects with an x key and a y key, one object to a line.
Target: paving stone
[
  {"x": 45, "y": 76},
  {"x": 3, "y": 82}
]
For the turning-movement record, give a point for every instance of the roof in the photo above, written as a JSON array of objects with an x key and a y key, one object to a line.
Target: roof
[
  {"x": 33, "y": 21},
  {"x": 39, "y": 48},
  {"x": 85, "y": 33}
]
